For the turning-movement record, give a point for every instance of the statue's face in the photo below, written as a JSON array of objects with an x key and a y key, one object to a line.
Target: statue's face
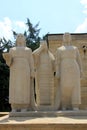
[
  {"x": 44, "y": 45},
  {"x": 20, "y": 39},
  {"x": 66, "y": 38}
]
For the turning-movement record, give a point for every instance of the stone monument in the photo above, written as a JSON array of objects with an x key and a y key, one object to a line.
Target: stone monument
[
  {"x": 69, "y": 71},
  {"x": 68, "y": 68},
  {"x": 44, "y": 75},
  {"x": 20, "y": 61}
]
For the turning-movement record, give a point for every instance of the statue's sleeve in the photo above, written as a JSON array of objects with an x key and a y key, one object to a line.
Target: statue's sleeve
[
  {"x": 53, "y": 61},
  {"x": 79, "y": 61},
  {"x": 36, "y": 55},
  {"x": 8, "y": 57},
  {"x": 31, "y": 64},
  {"x": 53, "y": 64},
  {"x": 57, "y": 63}
]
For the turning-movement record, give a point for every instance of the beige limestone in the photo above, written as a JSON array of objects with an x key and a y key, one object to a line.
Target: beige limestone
[
  {"x": 44, "y": 76},
  {"x": 44, "y": 123},
  {"x": 78, "y": 40},
  {"x": 48, "y": 113},
  {"x": 8, "y": 58},
  {"x": 68, "y": 71},
  {"x": 20, "y": 61}
]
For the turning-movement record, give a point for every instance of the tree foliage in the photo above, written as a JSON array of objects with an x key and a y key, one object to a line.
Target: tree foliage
[
  {"x": 4, "y": 75},
  {"x": 31, "y": 35}
]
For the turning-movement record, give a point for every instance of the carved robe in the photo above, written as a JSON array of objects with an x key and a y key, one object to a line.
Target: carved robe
[
  {"x": 68, "y": 69},
  {"x": 44, "y": 77},
  {"x": 21, "y": 70}
]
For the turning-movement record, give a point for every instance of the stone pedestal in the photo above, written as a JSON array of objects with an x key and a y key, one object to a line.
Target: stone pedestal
[
  {"x": 61, "y": 120},
  {"x": 48, "y": 113}
]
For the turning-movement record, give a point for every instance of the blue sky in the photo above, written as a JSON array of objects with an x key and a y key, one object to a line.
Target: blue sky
[{"x": 55, "y": 16}]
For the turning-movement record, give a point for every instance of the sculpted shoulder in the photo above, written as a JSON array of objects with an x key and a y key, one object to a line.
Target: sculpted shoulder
[
  {"x": 74, "y": 47},
  {"x": 60, "y": 48},
  {"x": 27, "y": 48},
  {"x": 13, "y": 48}
]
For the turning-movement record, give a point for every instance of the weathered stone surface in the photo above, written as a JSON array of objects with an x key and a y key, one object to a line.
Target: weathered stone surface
[
  {"x": 78, "y": 40},
  {"x": 44, "y": 76},
  {"x": 68, "y": 72},
  {"x": 44, "y": 123},
  {"x": 20, "y": 61}
]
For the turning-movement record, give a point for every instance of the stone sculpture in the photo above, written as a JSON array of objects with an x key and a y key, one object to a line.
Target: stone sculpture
[
  {"x": 20, "y": 61},
  {"x": 69, "y": 71},
  {"x": 44, "y": 75}
]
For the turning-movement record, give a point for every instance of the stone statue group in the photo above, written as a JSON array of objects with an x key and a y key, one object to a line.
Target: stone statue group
[{"x": 57, "y": 79}]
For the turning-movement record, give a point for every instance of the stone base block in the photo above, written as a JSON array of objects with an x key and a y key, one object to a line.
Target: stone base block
[
  {"x": 61, "y": 120},
  {"x": 48, "y": 113},
  {"x": 43, "y": 127}
]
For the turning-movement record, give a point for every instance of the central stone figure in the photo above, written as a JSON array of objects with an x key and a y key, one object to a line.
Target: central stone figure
[{"x": 44, "y": 78}]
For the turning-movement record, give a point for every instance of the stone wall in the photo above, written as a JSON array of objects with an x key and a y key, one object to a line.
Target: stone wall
[{"x": 79, "y": 40}]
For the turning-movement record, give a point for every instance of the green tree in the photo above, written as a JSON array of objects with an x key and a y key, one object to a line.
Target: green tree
[
  {"x": 31, "y": 34},
  {"x": 4, "y": 75}
]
